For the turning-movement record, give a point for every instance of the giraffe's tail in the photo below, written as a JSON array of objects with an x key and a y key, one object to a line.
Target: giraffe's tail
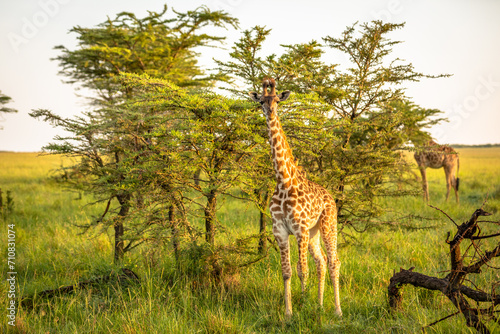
[{"x": 457, "y": 182}]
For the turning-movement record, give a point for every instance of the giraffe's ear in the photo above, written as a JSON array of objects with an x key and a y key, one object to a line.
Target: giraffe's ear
[
  {"x": 254, "y": 96},
  {"x": 284, "y": 95}
]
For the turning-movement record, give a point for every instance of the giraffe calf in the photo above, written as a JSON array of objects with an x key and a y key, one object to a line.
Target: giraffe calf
[{"x": 299, "y": 207}]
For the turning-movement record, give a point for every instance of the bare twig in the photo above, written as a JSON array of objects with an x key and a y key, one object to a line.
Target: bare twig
[
  {"x": 444, "y": 214},
  {"x": 485, "y": 236},
  {"x": 437, "y": 321},
  {"x": 106, "y": 210}
]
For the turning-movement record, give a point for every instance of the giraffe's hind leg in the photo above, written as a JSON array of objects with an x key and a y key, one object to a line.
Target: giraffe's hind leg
[
  {"x": 450, "y": 181},
  {"x": 454, "y": 181},
  {"x": 328, "y": 228},
  {"x": 455, "y": 187},
  {"x": 320, "y": 260}
]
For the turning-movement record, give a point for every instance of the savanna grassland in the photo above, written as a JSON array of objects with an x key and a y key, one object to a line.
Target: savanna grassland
[{"x": 50, "y": 253}]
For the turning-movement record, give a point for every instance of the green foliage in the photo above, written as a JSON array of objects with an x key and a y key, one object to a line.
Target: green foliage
[
  {"x": 381, "y": 120},
  {"x": 373, "y": 81},
  {"x": 156, "y": 45},
  {"x": 298, "y": 69},
  {"x": 248, "y": 67},
  {"x": 184, "y": 133}
]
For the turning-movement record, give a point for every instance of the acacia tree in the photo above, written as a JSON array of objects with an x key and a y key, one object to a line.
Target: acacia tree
[
  {"x": 347, "y": 127},
  {"x": 198, "y": 131},
  {"x": 370, "y": 102},
  {"x": 156, "y": 45},
  {"x": 104, "y": 142},
  {"x": 189, "y": 131}
]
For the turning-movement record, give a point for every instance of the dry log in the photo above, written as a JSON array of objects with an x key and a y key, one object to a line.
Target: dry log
[
  {"x": 452, "y": 284},
  {"x": 126, "y": 275}
]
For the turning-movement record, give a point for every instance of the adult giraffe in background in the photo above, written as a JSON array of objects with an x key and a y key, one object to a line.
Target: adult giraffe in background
[
  {"x": 299, "y": 207},
  {"x": 439, "y": 156}
]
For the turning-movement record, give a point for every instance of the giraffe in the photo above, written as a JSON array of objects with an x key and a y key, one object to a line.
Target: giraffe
[
  {"x": 299, "y": 207},
  {"x": 437, "y": 156}
]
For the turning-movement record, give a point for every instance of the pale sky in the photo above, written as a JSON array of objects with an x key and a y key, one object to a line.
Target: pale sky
[{"x": 457, "y": 37}]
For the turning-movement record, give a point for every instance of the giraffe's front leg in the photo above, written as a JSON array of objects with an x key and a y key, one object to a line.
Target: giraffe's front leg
[
  {"x": 319, "y": 259},
  {"x": 424, "y": 183},
  {"x": 281, "y": 236}
]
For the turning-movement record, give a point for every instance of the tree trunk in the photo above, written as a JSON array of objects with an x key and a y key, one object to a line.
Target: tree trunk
[
  {"x": 210, "y": 219},
  {"x": 262, "y": 231},
  {"x": 263, "y": 202},
  {"x": 124, "y": 201},
  {"x": 119, "y": 248},
  {"x": 196, "y": 177},
  {"x": 338, "y": 202}
]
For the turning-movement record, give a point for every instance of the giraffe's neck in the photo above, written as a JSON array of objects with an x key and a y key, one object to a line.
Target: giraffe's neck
[{"x": 283, "y": 161}]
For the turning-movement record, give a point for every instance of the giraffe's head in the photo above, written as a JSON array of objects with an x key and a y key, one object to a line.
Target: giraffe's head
[{"x": 269, "y": 100}]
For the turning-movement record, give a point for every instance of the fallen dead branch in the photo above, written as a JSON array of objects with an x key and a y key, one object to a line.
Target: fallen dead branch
[
  {"x": 452, "y": 285},
  {"x": 126, "y": 275}
]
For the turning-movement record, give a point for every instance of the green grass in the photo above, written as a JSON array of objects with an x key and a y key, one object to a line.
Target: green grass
[{"x": 50, "y": 254}]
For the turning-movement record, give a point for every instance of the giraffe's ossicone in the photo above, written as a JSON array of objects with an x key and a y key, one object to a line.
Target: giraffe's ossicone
[{"x": 299, "y": 207}]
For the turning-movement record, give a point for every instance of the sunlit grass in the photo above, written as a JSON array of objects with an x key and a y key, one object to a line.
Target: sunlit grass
[{"x": 50, "y": 254}]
